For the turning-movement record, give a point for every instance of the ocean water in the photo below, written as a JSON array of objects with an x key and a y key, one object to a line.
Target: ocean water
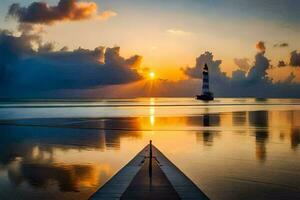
[{"x": 231, "y": 148}]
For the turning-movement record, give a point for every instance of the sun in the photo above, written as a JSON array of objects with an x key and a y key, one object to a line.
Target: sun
[{"x": 152, "y": 75}]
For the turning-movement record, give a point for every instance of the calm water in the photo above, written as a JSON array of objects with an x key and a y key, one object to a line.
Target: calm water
[{"x": 231, "y": 148}]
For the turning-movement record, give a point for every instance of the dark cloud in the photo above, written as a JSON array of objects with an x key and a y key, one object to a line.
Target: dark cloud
[
  {"x": 282, "y": 44},
  {"x": 25, "y": 70},
  {"x": 12, "y": 48},
  {"x": 259, "y": 71},
  {"x": 295, "y": 59},
  {"x": 42, "y": 13},
  {"x": 47, "y": 47},
  {"x": 242, "y": 63}
]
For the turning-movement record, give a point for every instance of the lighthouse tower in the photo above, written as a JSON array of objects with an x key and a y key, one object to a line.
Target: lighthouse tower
[
  {"x": 206, "y": 94},
  {"x": 205, "y": 78}
]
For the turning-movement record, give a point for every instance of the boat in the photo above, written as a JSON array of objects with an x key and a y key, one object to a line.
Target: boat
[
  {"x": 149, "y": 175},
  {"x": 206, "y": 94}
]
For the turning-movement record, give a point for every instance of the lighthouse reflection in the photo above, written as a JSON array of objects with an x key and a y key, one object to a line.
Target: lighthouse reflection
[
  {"x": 208, "y": 133},
  {"x": 259, "y": 120}
]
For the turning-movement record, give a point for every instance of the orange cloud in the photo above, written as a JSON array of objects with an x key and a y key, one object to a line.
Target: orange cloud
[{"x": 107, "y": 14}]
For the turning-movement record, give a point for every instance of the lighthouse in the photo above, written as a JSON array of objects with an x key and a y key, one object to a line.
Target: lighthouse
[{"x": 206, "y": 94}]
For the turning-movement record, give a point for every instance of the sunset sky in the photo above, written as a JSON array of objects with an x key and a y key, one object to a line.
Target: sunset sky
[{"x": 171, "y": 34}]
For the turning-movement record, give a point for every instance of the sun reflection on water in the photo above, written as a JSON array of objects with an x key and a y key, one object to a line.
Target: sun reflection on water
[
  {"x": 152, "y": 111},
  {"x": 77, "y": 156}
]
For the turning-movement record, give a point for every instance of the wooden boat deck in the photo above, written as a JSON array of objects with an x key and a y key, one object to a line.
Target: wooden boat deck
[{"x": 137, "y": 180}]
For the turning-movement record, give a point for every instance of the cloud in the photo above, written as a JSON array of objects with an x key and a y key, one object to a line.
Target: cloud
[
  {"x": 27, "y": 71},
  {"x": 12, "y": 48},
  {"x": 260, "y": 46},
  {"x": 65, "y": 10},
  {"x": 207, "y": 57},
  {"x": 254, "y": 83},
  {"x": 242, "y": 63},
  {"x": 177, "y": 32},
  {"x": 47, "y": 47},
  {"x": 295, "y": 59},
  {"x": 290, "y": 78},
  {"x": 258, "y": 72},
  {"x": 281, "y": 44},
  {"x": 107, "y": 14}
]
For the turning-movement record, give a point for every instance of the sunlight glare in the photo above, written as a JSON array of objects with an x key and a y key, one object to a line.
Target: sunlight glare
[{"x": 152, "y": 75}]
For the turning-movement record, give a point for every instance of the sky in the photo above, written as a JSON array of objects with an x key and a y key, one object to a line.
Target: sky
[{"x": 169, "y": 35}]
